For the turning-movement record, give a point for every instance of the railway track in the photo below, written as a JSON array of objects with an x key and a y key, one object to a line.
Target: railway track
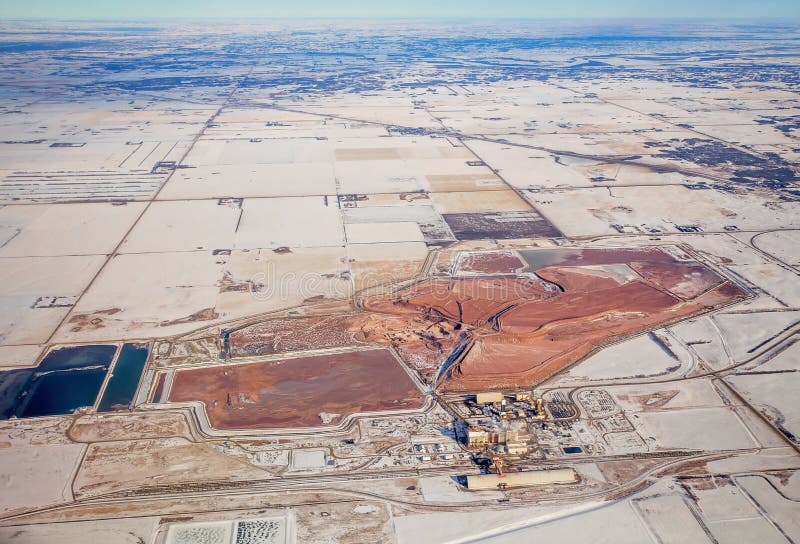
[{"x": 316, "y": 485}]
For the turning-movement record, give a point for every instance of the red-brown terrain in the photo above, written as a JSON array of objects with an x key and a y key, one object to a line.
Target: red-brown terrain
[
  {"x": 521, "y": 333},
  {"x": 496, "y": 262},
  {"x": 516, "y": 329},
  {"x": 298, "y": 392}
]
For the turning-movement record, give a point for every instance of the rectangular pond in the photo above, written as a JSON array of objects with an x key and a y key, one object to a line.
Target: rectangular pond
[
  {"x": 67, "y": 379},
  {"x": 124, "y": 378}
]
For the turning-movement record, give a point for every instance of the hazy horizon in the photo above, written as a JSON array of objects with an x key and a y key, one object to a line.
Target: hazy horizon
[{"x": 150, "y": 10}]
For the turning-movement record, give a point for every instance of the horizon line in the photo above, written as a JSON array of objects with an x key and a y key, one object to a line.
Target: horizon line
[{"x": 789, "y": 19}]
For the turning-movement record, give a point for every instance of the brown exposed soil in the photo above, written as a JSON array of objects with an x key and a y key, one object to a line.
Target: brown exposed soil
[
  {"x": 782, "y": 475},
  {"x": 301, "y": 392},
  {"x": 467, "y": 301},
  {"x": 297, "y": 334},
  {"x": 497, "y": 262},
  {"x": 686, "y": 280},
  {"x": 91, "y": 321},
  {"x": 704, "y": 483},
  {"x": 613, "y": 302},
  {"x": 620, "y": 472},
  {"x": 107, "y": 427},
  {"x": 423, "y": 343},
  {"x": 206, "y": 314},
  {"x": 523, "y": 331},
  {"x": 500, "y": 225},
  {"x": 470, "y": 333},
  {"x": 655, "y": 400},
  {"x": 135, "y": 464},
  {"x": 158, "y": 390},
  {"x": 584, "y": 278},
  {"x": 228, "y": 284}
]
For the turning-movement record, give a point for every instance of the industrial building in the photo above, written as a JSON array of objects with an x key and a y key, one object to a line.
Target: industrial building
[
  {"x": 479, "y": 482},
  {"x": 501, "y": 422},
  {"x": 519, "y": 405},
  {"x": 488, "y": 398}
]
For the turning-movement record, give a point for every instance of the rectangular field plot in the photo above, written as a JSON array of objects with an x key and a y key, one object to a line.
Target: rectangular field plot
[
  {"x": 38, "y": 292},
  {"x": 697, "y": 429},
  {"x": 654, "y": 209},
  {"x": 670, "y": 518},
  {"x": 251, "y": 180},
  {"x": 258, "y": 151},
  {"x": 301, "y": 392},
  {"x": 293, "y": 222},
  {"x": 64, "y": 229},
  {"x": 143, "y": 294},
  {"x": 500, "y": 225},
  {"x": 176, "y": 226},
  {"x": 67, "y": 379},
  {"x": 244, "y": 531}
]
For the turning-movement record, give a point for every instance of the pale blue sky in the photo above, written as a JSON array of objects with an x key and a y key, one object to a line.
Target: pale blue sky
[{"x": 150, "y": 9}]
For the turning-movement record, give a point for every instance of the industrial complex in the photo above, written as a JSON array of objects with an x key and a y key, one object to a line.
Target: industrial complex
[{"x": 357, "y": 282}]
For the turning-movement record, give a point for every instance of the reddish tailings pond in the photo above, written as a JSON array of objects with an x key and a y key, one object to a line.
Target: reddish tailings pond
[
  {"x": 298, "y": 392},
  {"x": 517, "y": 332}
]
